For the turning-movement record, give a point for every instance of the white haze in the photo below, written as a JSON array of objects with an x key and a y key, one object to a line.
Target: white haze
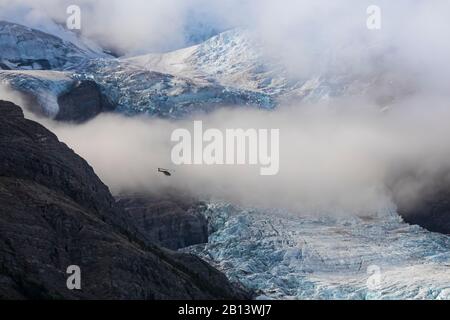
[
  {"x": 339, "y": 155},
  {"x": 7, "y": 94},
  {"x": 308, "y": 35},
  {"x": 134, "y": 26},
  {"x": 333, "y": 158}
]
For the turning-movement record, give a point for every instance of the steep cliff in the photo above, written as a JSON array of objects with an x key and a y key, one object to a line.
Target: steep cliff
[
  {"x": 55, "y": 212},
  {"x": 173, "y": 221}
]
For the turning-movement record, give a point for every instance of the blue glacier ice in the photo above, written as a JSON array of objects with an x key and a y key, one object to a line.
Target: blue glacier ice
[{"x": 281, "y": 255}]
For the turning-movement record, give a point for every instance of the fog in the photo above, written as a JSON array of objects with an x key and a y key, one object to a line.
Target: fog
[
  {"x": 302, "y": 32},
  {"x": 128, "y": 27},
  {"x": 342, "y": 155},
  {"x": 308, "y": 37},
  {"x": 338, "y": 157},
  {"x": 8, "y": 94}
]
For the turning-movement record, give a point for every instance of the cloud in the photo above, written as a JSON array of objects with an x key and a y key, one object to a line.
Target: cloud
[
  {"x": 131, "y": 27},
  {"x": 307, "y": 36},
  {"x": 337, "y": 157},
  {"x": 8, "y": 94}
]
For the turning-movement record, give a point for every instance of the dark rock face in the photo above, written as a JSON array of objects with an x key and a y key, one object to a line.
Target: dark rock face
[
  {"x": 55, "y": 212},
  {"x": 431, "y": 211},
  {"x": 424, "y": 201},
  {"x": 171, "y": 221},
  {"x": 433, "y": 214},
  {"x": 82, "y": 102}
]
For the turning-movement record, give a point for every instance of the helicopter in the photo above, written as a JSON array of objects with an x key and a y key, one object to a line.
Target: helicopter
[{"x": 166, "y": 172}]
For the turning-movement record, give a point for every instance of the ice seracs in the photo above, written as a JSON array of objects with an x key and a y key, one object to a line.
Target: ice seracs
[
  {"x": 237, "y": 58},
  {"x": 284, "y": 255},
  {"x": 30, "y": 49},
  {"x": 132, "y": 89},
  {"x": 43, "y": 86}
]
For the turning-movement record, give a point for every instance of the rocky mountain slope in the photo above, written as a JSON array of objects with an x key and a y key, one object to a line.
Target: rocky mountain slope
[
  {"x": 431, "y": 209},
  {"x": 45, "y": 192},
  {"x": 169, "y": 219},
  {"x": 55, "y": 212},
  {"x": 432, "y": 212}
]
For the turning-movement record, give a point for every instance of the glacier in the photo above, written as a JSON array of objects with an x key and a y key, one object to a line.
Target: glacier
[
  {"x": 282, "y": 255},
  {"x": 226, "y": 70},
  {"x": 44, "y": 85},
  {"x": 140, "y": 91},
  {"x": 132, "y": 90},
  {"x": 44, "y": 66},
  {"x": 31, "y": 49},
  {"x": 237, "y": 58}
]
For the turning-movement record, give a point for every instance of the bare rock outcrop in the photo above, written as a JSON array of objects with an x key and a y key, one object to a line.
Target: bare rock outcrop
[
  {"x": 55, "y": 212},
  {"x": 172, "y": 221}
]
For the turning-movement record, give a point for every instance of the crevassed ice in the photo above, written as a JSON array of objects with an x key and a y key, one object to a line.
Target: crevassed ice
[
  {"x": 286, "y": 256},
  {"x": 138, "y": 91},
  {"x": 46, "y": 85}
]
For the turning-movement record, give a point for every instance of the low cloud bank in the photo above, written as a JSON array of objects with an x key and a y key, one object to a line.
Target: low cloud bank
[
  {"x": 341, "y": 156},
  {"x": 344, "y": 156}
]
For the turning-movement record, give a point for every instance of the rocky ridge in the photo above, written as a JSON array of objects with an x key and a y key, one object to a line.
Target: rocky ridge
[{"x": 55, "y": 212}]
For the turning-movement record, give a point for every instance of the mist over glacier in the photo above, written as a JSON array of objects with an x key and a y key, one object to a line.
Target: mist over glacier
[
  {"x": 337, "y": 157},
  {"x": 306, "y": 35}
]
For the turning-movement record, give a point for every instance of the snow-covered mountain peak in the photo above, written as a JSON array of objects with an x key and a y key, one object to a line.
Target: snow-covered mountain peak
[
  {"x": 232, "y": 58},
  {"x": 25, "y": 48},
  {"x": 239, "y": 58}
]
